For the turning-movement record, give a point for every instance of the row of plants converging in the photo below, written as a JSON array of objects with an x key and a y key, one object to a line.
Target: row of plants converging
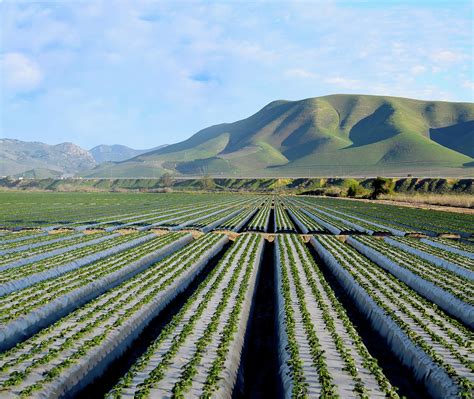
[
  {"x": 63, "y": 261},
  {"x": 57, "y": 359},
  {"x": 303, "y": 221},
  {"x": 39, "y": 240},
  {"x": 44, "y": 213},
  {"x": 282, "y": 220},
  {"x": 344, "y": 222},
  {"x": 160, "y": 218},
  {"x": 355, "y": 220},
  {"x": 123, "y": 210},
  {"x": 456, "y": 246},
  {"x": 138, "y": 218},
  {"x": 239, "y": 220},
  {"x": 435, "y": 346},
  {"x": 22, "y": 301},
  {"x": 320, "y": 352},
  {"x": 261, "y": 220},
  {"x": 143, "y": 218},
  {"x": 192, "y": 217},
  {"x": 197, "y": 354},
  {"x": 11, "y": 257},
  {"x": 208, "y": 223},
  {"x": 333, "y": 225},
  {"x": 369, "y": 227},
  {"x": 72, "y": 303},
  {"x": 76, "y": 209},
  {"x": 439, "y": 256},
  {"x": 401, "y": 217},
  {"x": 449, "y": 290},
  {"x": 157, "y": 218},
  {"x": 40, "y": 208},
  {"x": 26, "y": 311}
]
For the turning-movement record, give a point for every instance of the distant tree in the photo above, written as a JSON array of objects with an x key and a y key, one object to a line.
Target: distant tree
[
  {"x": 208, "y": 183},
  {"x": 352, "y": 190},
  {"x": 381, "y": 185},
  {"x": 166, "y": 180}
]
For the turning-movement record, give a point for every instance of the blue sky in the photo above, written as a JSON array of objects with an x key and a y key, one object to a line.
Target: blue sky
[{"x": 144, "y": 73}]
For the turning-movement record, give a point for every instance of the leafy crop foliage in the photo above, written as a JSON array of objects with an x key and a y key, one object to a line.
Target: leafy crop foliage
[{"x": 82, "y": 276}]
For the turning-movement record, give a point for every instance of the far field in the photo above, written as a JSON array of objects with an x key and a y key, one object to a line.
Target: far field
[{"x": 184, "y": 295}]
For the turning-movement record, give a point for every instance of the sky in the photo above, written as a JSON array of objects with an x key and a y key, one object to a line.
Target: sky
[{"x": 145, "y": 73}]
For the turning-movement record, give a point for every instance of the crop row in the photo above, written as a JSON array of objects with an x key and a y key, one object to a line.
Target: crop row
[
  {"x": 330, "y": 224},
  {"x": 65, "y": 262},
  {"x": 369, "y": 225},
  {"x": 412, "y": 219},
  {"x": 457, "y": 263},
  {"x": 26, "y": 311},
  {"x": 35, "y": 240},
  {"x": 452, "y": 246},
  {"x": 21, "y": 235},
  {"x": 448, "y": 290},
  {"x": 261, "y": 219},
  {"x": 436, "y": 347},
  {"x": 206, "y": 224},
  {"x": 282, "y": 220},
  {"x": 239, "y": 220},
  {"x": 303, "y": 221},
  {"x": 76, "y": 209},
  {"x": 63, "y": 357},
  {"x": 198, "y": 352},
  {"x": 49, "y": 249},
  {"x": 194, "y": 217},
  {"x": 320, "y": 352},
  {"x": 352, "y": 223},
  {"x": 157, "y": 218}
]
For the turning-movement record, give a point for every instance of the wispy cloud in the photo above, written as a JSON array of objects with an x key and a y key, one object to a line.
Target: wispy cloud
[
  {"x": 418, "y": 70},
  {"x": 345, "y": 83},
  {"x": 448, "y": 57},
  {"x": 19, "y": 72},
  {"x": 300, "y": 73},
  {"x": 468, "y": 84}
]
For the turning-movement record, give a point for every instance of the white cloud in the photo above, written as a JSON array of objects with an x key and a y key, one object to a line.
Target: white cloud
[
  {"x": 418, "y": 70},
  {"x": 468, "y": 84},
  {"x": 300, "y": 73},
  {"x": 20, "y": 73},
  {"x": 342, "y": 82},
  {"x": 447, "y": 57}
]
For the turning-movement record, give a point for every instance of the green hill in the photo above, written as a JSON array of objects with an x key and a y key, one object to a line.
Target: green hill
[{"x": 330, "y": 135}]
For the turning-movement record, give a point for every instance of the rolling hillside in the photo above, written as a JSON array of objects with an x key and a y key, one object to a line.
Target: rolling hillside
[{"x": 330, "y": 135}]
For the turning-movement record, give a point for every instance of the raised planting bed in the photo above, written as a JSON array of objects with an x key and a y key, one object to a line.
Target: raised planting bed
[
  {"x": 61, "y": 359},
  {"x": 320, "y": 352},
  {"x": 198, "y": 353},
  {"x": 436, "y": 347}
]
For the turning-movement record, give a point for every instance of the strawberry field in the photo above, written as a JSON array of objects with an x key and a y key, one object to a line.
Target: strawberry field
[{"x": 180, "y": 295}]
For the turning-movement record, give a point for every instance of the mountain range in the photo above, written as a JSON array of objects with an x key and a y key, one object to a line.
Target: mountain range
[
  {"x": 333, "y": 135},
  {"x": 40, "y": 160}
]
